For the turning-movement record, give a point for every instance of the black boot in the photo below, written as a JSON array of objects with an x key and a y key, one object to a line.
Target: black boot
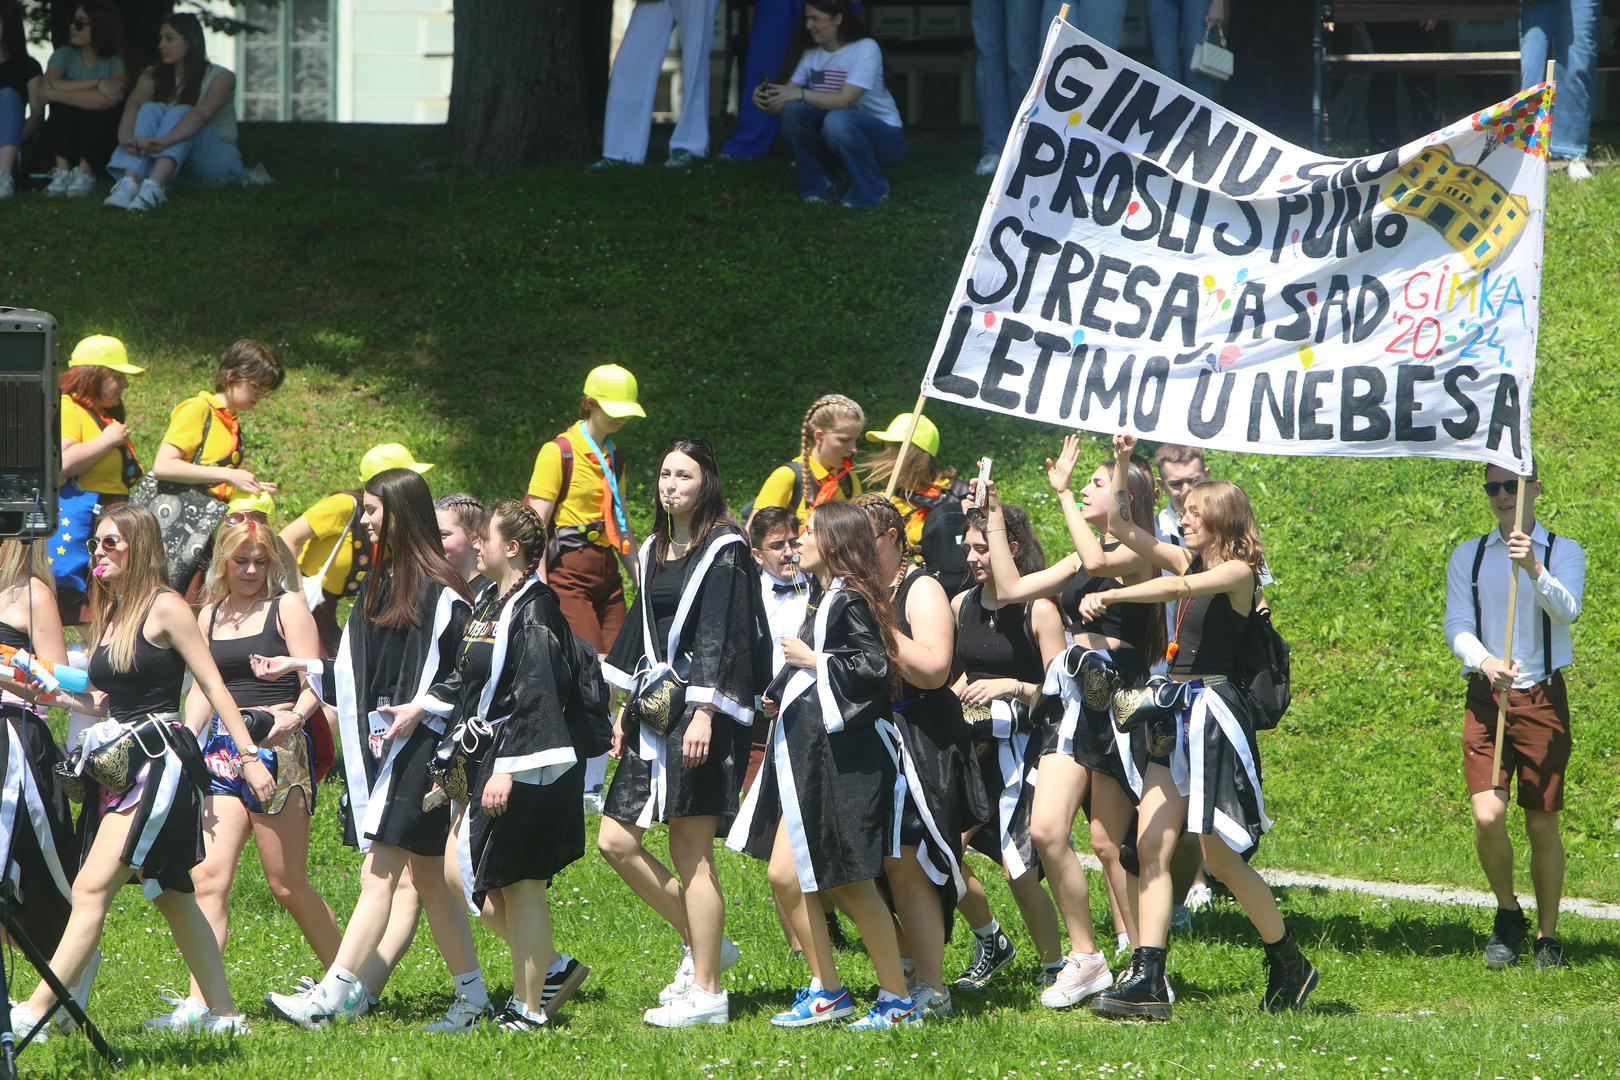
[
  {"x": 835, "y": 932},
  {"x": 1144, "y": 994},
  {"x": 1507, "y": 938},
  {"x": 1289, "y": 976}
]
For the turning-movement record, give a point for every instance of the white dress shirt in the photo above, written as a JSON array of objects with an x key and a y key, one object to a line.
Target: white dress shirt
[
  {"x": 784, "y": 611},
  {"x": 1557, "y": 592}
]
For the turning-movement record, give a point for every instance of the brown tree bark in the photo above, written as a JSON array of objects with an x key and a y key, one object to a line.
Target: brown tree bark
[{"x": 519, "y": 85}]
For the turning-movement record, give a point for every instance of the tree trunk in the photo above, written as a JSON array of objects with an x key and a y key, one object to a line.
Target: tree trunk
[{"x": 518, "y": 89}]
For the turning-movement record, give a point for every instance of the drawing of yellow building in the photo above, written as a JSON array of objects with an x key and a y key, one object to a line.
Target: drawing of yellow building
[{"x": 1472, "y": 211}]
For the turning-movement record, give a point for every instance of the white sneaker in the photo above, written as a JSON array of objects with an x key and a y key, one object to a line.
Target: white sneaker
[
  {"x": 593, "y": 801},
  {"x": 309, "y": 1012},
  {"x": 8, "y": 186},
  {"x": 987, "y": 165},
  {"x": 80, "y": 184},
  {"x": 307, "y": 984},
  {"x": 60, "y": 178},
  {"x": 729, "y": 954},
  {"x": 696, "y": 1006},
  {"x": 214, "y": 1024},
  {"x": 1080, "y": 978},
  {"x": 24, "y": 1022},
  {"x": 932, "y": 1003},
  {"x": 123, "y": 193},
  {"x": 1579, "y": 170},
  {"x": 462, "y": 1015},
  {"x": 184, "y": 1013},
  {"x": 151, "y": 197},
  {"x": 1199, "y": 897}
]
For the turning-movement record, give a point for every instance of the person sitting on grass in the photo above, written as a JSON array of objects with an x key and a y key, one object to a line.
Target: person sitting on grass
[
  {"x": 21, "y": 84},
  {"x": 180, "y": 121},
  {"x": 851, "y": 122},
  {"x": 84, "y": 82}
]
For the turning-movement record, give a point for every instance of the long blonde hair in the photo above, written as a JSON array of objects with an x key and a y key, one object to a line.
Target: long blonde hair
[
  {"x": 1225, "y": 512},
  {"x": 920, "y": 471},
  {"x": 825, "y": 412},
  {"x": 283, "y": 575},
  {"x": 144, "y": 578},
  {"x": 19, "y": 562}
]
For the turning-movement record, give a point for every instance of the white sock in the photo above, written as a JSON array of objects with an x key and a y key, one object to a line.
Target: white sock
[
  {"x": 533, "y": 1015},
  {"x": 558, "y": 964},
  {"x": 1124, "y": 941},
  {"x": 334, "y": 988},
  {"x": 703, "y": 995},
  {"x": 1055, "y": 965},
  {"x": 884, "y": 995},
  {"x": 471, "y": 987},
  {"x": 1086, "y": 956},
  {"x": 815, "y": 985},
  {"x": 988, "y": 931}
]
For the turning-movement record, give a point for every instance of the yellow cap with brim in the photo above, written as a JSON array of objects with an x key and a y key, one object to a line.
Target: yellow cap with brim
[
  {"x": 261, "y": 501},
  {"x": 100, "y": 350},
  {"x": 614, "y": 389},
  {"x": 926, "y": 439},
  {"x": 386, "y": 456}
]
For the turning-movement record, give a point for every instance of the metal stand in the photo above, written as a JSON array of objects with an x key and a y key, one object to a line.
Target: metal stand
[{"x": 9, "y": 1047}]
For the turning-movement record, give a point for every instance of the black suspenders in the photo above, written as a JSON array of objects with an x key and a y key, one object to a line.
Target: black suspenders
[{"x": 1546, "y": 620}]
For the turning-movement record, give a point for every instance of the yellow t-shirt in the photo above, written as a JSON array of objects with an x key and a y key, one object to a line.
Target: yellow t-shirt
[
  {"x": 329, "y": 518},
  {"x": 106, "y": 476},
  {"x": 583, "y": 503},
  {"x": 186, "y": 425},
  {"x": 909, "y": 512},
  {"x": 778, "y": 487}
]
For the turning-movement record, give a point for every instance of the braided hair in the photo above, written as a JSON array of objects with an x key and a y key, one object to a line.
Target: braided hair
[
  {"x": 517, "y": 521},
  {"x": 885, "y": 517},
  {"x": 825, "y": 412}
]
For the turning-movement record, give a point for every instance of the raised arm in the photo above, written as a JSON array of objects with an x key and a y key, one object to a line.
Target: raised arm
[
  {"x": 1232, "y": 577},
  {"x": 1121, "y": 561},
  {"x": 1169, "y": 557},
  {"x": 1013, "y": 586}
]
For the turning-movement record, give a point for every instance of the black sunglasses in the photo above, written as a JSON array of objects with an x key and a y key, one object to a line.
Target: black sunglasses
[
  {"x": 1493, "y": 486},
  {"x": 80, "y": 24}
]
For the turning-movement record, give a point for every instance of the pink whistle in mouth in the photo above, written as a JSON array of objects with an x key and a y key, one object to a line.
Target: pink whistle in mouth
[{"x": 98, "y": 571}]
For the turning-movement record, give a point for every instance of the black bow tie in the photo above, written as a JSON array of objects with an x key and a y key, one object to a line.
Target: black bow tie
[{"x": 780, "y": 588}]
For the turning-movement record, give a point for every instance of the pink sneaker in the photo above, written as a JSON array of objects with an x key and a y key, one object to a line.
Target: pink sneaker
[{"x": 1081, "y": 977}]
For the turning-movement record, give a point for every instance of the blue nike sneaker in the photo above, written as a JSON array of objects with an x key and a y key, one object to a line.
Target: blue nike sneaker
[
  {"x": 889, "y": 1014},
  {"x": 815, "y": 1007}
]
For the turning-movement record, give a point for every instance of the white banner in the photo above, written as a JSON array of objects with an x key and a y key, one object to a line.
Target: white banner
[{"x": 1148, "y": 262}]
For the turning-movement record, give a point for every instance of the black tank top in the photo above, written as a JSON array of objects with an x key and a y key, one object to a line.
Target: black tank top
[
  {"x": 152, "y": 683},
  {"x": 664, "y": 587},
  {"x": 10, "y": 635},
  {"x": 903, "y": 625},
  {"x": 996, "y": 644},
  {"x": 233, "y": 658},
  {"x": 1211, "y": 633},
  {"x": 1123, "y": 622}
]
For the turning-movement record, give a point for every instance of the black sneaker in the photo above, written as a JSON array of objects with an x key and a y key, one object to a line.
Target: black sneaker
[
  {"x": 511, "y": 1019},
  {"x": 1290, "y": 977},
  {"x": 990, "y": 955},
  {"x": 835, "y": 932},
  {"x": 561, "y": 984},
  {"x": 1549, "y": 954},
  {"x": 1507, "y": 939},
  {"x": 1144, "y": 992}
]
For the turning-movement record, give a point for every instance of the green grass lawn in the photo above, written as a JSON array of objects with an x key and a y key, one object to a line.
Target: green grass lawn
[{"x": 414, "y": 300}]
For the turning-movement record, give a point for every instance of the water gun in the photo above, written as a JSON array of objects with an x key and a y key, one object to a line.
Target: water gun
[{"x": 17, "y": 664}]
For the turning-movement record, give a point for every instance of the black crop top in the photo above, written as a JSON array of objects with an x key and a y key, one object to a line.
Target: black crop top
[
  {"x": 1122, "y": 622},
  {"x": 233, "y": 657},
  {"x": 152, "y": 683},
  {"x": 1211, "y": 633},
  {"x": 996, "y": 644},
  {"x": 664, "y": 586},
  {"x": 10, "y": 635}
]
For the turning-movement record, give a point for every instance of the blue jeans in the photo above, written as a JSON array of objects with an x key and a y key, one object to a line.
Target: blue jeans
[
  {"x": 204, "y": 160},
  {"x": 858, "y": 142},
  {"x": 1101, "y": 19},
  {"x": 1176, "y": 27},
  {"x": 1008, "y": 36},
  {"x": 1565, "y": 31},
  {"x": 11, "y": 117},
  {"x": 775, "y": 23}
]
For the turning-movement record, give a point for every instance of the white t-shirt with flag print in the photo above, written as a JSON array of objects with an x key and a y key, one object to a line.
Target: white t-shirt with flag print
[{"x": 860, "y": 63}]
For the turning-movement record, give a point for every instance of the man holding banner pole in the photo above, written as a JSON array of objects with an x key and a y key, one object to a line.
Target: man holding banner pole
[{"x": 1517, "y": 711}]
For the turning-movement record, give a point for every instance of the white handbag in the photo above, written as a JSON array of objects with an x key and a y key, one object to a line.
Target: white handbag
[
  {"x": 1212, "y": 59},
  {"x": 313, "y": 588}
]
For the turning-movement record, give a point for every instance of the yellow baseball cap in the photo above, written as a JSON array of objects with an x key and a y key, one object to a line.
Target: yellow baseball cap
[
  {"x": 262, "y": 501},
  {"x": 614, "y": 389},
  {"x": 100, "y": 350},
  {"x": 390, "y": 455},
  {"x": 926, "y": 439}
]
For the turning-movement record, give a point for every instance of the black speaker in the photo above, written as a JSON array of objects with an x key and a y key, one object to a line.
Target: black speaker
[{"x": 30, "y": 423}]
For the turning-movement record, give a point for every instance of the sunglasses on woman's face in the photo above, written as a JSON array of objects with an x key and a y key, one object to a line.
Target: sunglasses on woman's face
[
  {"x": 237, "y": 517},
  {"x": 110, "y": 542},
  {"x": 80, "y": 24},
  {"x": 1493, "y": 486}
]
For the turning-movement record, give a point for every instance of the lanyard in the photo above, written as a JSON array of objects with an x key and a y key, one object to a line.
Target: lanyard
[{"x": 605, "y": 460}]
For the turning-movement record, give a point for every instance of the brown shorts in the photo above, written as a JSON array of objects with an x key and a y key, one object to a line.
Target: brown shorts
[
  {"x": 1538, "y": 742},
  {"x": 590, "y": 592}
]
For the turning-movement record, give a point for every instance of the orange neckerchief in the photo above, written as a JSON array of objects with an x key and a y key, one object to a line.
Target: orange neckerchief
[
  {"x": 222, "y": 490},
  {"x": 127, "y": 447},
  {"x": 829, "y": 484}
]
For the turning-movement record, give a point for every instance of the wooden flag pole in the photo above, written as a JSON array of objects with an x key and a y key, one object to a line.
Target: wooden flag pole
[
  {"x": 1512, "y": 614},
  {"x": 905, "y": 444},
  {"x": 1513, "y": 592},
  {"x": 917, "y": 409}
]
